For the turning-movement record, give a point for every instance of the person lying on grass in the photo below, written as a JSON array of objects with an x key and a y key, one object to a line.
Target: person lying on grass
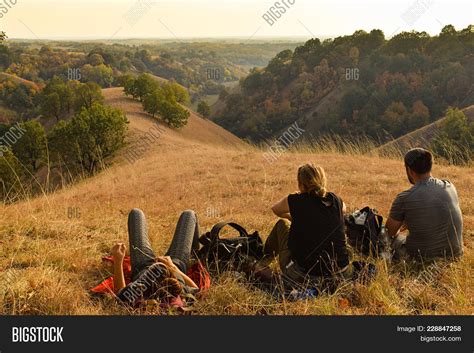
[
  {"x": 429, "y": 211},
  {"x": 309, "y": 239},
  {"x": 153, "y": 277}
]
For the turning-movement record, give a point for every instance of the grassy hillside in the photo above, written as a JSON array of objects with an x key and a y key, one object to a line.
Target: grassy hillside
[
  {"x": 4, "y": 76},
  {"x": 52, "y": 245},
  {"x": 422, "y": 137}
]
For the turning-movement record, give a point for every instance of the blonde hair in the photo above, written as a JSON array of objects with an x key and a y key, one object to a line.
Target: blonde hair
[{"x": 312, "y": 179}]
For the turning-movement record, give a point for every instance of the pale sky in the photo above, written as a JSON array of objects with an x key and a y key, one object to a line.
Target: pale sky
[{"x": 86, "y": 19}]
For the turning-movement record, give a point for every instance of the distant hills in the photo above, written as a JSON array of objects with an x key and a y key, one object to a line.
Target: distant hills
[{"x": 362, "y": 84}]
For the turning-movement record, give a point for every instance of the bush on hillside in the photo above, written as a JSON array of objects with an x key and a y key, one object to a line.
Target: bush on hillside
[
  {"x": 9, "y": 174},
  {"x": 30, "y": 149},
  {"x": 101, "y": 74},
  {"x": 204, "y": 109},
  {"x": 86, "y": 95},
  {"x": 83, "y": 143},
  {"x": 162, "y": 99},
  {"x": 455, "y": 142},
  {"x": 153, "y": 101},
  {"x": 174, "y": 114}
]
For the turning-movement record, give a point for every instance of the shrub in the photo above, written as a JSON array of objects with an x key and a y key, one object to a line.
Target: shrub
[
  {"x": 87, "y": 94},
  {"x": 204, "y": 109},
  {"x": 173, "y": 114},
  {"x": 30, "y": 149},
  {"x": 455, "y": 142},
  {"x": 153, "y": 101},
  {"x": 9, "y": 174},
  {"x": 91, "y": 136}
]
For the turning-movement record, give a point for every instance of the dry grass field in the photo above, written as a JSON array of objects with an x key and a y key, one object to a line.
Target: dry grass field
[{"x": 51, "y": 246}]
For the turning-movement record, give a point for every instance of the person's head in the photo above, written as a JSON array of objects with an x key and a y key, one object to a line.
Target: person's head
[
  {"x": 312, "y": 180},
  {"x": 169, "y": 285},
  {"x": 418, "y": 164}
]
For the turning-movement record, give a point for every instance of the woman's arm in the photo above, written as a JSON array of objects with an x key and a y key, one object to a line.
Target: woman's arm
[
  {"x": 118, "y": 253},
  {"x": 188, "y": 281},
  {"x": 282, "y": 208},
  {"x": 170, "y": 264}
]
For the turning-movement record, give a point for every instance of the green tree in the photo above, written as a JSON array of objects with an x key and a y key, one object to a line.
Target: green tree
[
  {"x": 143, "y": 85},
  {"x": 57, "y": 98},
  {"x": 455, "y": 141},
  {"x": 125, "y": 80},
  {"x": 87, "y": 94},
  {"x": 153, "y": 101},
  {"x": 30, "y": 149},
  {"x": 179, "y": 92},
  {"x": 18, "y": 97},
  {"x": 95, "y": 59},
  {"x": 9, "y": 174},
  {"x": 394, "y": 118},
  {"x": 63, "y": 147},
  {"x": 51, "y": 106},
  {"x": 100, "y": 74},
  {"x": 128, "y": 83},
  {"x": 173, "y": 114},
  {"x": 204, "y": 109},
  {"x": 93, "y": 135}
]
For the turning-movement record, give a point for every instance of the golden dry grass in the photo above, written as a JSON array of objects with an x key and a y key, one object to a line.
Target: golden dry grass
[{"x": 50, "y": 260}]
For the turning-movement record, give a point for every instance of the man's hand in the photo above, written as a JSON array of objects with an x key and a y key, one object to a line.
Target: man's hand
[
  {"x": 393, "y": 227},
  {"x": 118, "y": 251},
  {"x": 403, "y": 228}
]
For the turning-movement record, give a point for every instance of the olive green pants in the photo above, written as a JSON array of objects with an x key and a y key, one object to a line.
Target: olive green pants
[{"x": 276, "y": 244}]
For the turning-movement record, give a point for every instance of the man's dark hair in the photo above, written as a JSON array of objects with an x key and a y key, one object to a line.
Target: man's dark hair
[{"x": 419, "y": 160}]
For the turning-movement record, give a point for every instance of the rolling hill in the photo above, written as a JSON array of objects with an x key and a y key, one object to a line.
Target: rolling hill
[
  {"x": 198, "y": 130},
  {"x": 421, "y": 137},
  {"x": 51, "y": 245},
  {"x": 19, "y": 80}
]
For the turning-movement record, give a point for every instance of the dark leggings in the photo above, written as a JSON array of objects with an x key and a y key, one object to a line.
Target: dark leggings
[{"x": 185, "y": 239}]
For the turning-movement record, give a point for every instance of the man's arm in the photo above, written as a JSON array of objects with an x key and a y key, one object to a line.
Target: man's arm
[
  {"x": 282, "y": 208},
  {"x": 396, "y": 219},
  {"x": 393, "y": 227}
]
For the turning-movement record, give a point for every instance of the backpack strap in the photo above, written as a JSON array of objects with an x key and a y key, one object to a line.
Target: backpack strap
[{"x": 218, "y": 227}]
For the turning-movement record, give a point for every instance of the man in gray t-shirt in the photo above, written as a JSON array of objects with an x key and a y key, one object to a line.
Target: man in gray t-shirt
[{"x": 429, "y": 211}]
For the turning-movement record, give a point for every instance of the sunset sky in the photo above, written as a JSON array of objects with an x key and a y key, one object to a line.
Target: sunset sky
[{"x": 85, "y": 19}]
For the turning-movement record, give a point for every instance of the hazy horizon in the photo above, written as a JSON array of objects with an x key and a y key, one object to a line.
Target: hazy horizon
[{"x": 210, "y": 19}]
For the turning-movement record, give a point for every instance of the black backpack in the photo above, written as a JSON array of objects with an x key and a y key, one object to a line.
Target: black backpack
[
  {"x": 365, "y": 232},
  {"x": 220, "y": 254}
]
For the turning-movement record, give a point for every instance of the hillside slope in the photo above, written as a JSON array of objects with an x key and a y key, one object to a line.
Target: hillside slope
[
  {"x": 19, "y": 80},
  {"x": 51, "y": 246},
  {"x": 422, "y": 137},
  {"x": 198, "y": 130}
]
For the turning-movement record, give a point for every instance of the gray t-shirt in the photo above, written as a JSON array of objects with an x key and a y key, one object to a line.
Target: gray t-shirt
[{"x": 431, "y": 212}]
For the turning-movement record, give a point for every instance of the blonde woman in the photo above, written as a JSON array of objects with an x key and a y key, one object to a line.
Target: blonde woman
[{"x": 309, "y": 240}]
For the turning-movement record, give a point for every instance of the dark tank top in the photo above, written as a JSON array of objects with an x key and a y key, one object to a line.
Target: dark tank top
[{"x": 317, "y": 241}]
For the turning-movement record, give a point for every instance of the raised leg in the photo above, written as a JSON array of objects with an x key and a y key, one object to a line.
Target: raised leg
[
  {"x": 186, "y": 237},
  {"x": 141, "y": 253}
]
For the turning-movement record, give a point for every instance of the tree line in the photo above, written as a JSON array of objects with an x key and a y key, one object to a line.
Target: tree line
[
  {"x": 76, "y": 146},
  {"x": 368, "y": 85},
  {"x": 159, "y": 98}
]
